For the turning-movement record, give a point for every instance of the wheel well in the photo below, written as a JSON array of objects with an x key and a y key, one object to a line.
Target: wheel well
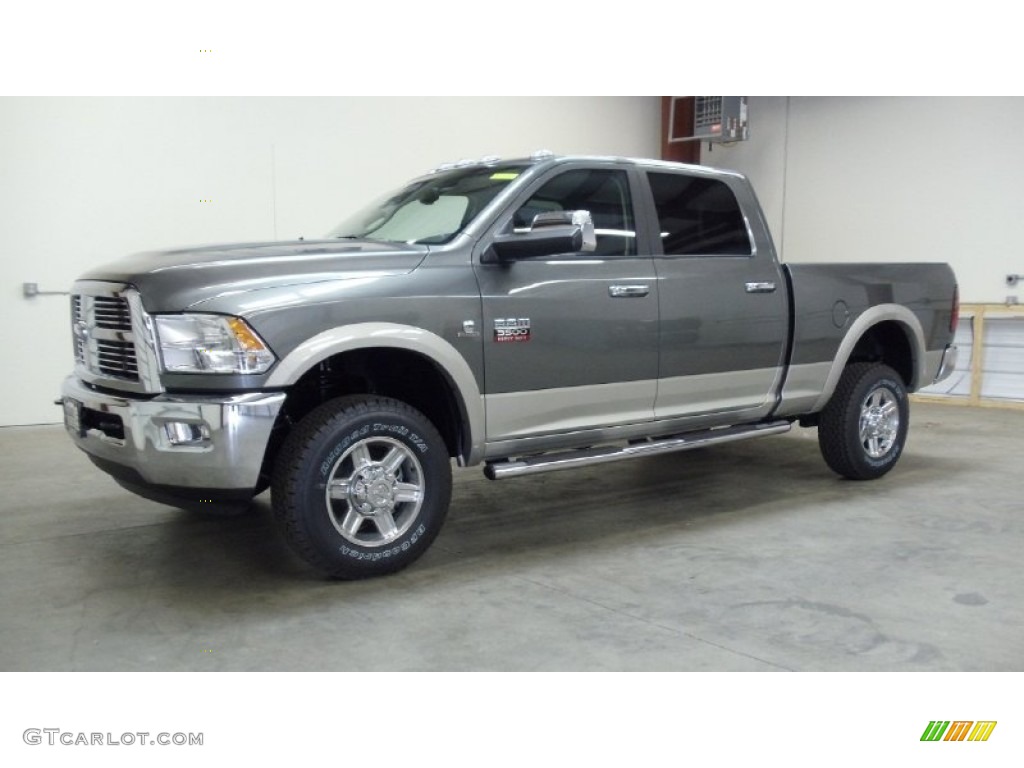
[
  {"x": 888, "y": 343},
  {"x": 398, "y": 373}
]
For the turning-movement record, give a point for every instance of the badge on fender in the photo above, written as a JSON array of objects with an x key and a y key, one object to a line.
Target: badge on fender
[{"x": 511, "y": 329}]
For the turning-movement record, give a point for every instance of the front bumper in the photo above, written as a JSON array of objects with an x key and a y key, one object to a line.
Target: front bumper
[{"x": 132, "y": 439}]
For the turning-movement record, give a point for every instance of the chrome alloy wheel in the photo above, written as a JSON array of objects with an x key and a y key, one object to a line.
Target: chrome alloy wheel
[
  {"x": 375, "y": 491},
  {"x": 879, "y": 422}
]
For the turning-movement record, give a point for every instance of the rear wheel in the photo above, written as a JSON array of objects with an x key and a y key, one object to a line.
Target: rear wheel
[
  {"x": 361, "y": 486},
  {"x": 863, "y": 428}
]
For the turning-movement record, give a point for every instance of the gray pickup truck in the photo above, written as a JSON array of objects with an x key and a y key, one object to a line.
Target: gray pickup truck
[{"x": 528, "y": 315}]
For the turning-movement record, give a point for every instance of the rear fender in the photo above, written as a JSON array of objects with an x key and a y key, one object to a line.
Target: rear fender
[{"x": 871, "y": 317}]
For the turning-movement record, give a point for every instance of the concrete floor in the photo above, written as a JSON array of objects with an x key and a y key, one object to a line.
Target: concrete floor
[{"x": 750, "y": 556}]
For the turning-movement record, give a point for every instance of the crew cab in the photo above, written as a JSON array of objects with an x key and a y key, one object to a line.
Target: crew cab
[{"x": 527, "y": 315}]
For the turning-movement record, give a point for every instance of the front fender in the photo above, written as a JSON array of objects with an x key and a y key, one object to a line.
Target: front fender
[{"x": 393, "y": 336}]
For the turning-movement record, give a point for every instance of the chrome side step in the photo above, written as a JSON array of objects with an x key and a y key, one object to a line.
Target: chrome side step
[{"x": 572, "y": 459}]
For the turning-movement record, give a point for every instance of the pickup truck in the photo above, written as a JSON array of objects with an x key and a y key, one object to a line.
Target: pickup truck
[{"x": 528, "y": 315}]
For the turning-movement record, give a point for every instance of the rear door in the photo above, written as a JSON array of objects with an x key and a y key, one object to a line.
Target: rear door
[
  {"x": 723, "y": 303},
  {"x": 571, "y": 340}
]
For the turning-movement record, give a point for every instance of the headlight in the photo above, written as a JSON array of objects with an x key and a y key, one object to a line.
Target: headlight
[{"x": 197, "y": 343}]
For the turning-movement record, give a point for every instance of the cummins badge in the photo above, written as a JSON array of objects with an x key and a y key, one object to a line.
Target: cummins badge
[{"x": 511, "y": 329}]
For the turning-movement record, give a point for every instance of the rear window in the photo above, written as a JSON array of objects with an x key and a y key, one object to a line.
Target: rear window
[{"x": 698, "y": 216}]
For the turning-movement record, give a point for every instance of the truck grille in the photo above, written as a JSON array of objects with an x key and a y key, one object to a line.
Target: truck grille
[
  {"x": 112, "y": 312},
  {"x": 103, "y": 340},
  {"x": 77, "y": 318},
  {"x": 117, "y": 358}
]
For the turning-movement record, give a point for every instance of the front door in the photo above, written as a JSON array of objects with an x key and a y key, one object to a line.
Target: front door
[{"x": 571, "y": 341}]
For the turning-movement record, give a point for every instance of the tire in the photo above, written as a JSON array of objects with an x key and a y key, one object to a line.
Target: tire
[
  {"x": 361, "y": 486},
  {"x": 863, "y": 428}
]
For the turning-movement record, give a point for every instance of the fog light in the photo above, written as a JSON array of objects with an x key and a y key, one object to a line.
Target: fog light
[{"x": 183, "y": 433}]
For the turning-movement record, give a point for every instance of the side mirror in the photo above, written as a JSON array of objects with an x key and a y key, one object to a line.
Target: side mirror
[{"x": 549, "y": 234}]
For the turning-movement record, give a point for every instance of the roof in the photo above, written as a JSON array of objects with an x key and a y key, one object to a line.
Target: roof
[{"x": 544, "y": 157}]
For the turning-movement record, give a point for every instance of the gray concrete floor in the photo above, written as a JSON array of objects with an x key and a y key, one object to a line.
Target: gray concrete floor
[{"x": 750, "y": 556}]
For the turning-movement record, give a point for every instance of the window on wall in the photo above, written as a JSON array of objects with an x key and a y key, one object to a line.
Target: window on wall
[
  {"x": 605, "y": 193},
  {"x": 698, "y": 216}
]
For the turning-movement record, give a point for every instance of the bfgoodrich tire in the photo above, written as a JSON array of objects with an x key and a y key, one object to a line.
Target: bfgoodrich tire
[
  {"x": 361, "y": 486},
  {"x": 862, "y": 430}
]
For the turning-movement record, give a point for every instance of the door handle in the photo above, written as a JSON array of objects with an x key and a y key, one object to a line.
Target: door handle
[
  {"x": 628, "y": 291},
  {"x": 760, "y": 287}
]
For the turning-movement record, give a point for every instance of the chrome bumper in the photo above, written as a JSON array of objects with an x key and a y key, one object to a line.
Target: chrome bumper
[
  {"x": 948, "y": 362},
  {"x": 135, "y": 437}
]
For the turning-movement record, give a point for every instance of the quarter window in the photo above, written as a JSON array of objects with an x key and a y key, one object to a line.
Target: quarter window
[
  {"x": 698, "y": 217},
  {"x": 604, "y": 193}
]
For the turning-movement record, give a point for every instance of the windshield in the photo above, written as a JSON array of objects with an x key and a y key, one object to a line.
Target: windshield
[{"x": 432, "y": 210}]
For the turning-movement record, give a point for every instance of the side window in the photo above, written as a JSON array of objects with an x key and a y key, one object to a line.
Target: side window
[
  {"x": 604, "y": 193},
  {"x": 698, "y": 216}
]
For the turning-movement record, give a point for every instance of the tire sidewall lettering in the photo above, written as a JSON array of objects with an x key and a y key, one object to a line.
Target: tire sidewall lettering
[
  {"x": 384, "y": 554},
  {"x": 400, "y": 430},
  {"x": 377, "y": 428},
  {"x": 340, "y": 448}
]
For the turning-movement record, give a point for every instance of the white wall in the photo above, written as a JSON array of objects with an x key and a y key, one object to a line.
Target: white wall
[
  {"x": 892, "y": 179},
  {"x": 86, "y": 180}
]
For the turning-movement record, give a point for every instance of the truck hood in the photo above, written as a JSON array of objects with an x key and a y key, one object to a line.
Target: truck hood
[{"x": 175, "y": 280}]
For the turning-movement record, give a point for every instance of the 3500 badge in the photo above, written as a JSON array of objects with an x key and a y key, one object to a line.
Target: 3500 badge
[{"x": 511, "y": 329}]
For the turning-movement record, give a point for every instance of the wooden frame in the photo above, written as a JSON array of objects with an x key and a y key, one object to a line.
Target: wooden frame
[{"x": 979, "y": 312}]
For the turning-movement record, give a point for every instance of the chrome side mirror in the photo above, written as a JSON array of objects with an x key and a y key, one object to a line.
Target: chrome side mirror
[
  {"x": 581, "y": 220},
  {"x": 585, "y": 222},
  {"x": 550, "y": 233}
]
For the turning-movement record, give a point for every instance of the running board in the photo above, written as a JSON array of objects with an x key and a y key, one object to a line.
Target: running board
[{"x": 583, "y": 458}]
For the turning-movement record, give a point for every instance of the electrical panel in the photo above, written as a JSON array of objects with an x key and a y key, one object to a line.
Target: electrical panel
[{"x": 715, "y": 119}]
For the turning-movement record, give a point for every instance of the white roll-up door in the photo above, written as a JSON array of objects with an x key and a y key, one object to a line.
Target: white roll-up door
[{"x": 1003, "y": 359}]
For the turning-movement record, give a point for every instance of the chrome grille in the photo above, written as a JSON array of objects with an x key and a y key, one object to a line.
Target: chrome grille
[
  {"x": 112, "y": 312},
  {"x": 103, "y": 339},
  {"x": 117, "y": 359},
  {"x": 76, "y": 318},
  {"x": 114, "y": 342}
]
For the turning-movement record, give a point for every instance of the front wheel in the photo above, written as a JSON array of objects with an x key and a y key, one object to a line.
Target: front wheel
[
  {"x": 862, "y": 430},
  {"x": 361, "y": 486}
]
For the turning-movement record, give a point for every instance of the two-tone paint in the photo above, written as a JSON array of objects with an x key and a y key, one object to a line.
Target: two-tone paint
[{"x": 620, "y": 348}]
